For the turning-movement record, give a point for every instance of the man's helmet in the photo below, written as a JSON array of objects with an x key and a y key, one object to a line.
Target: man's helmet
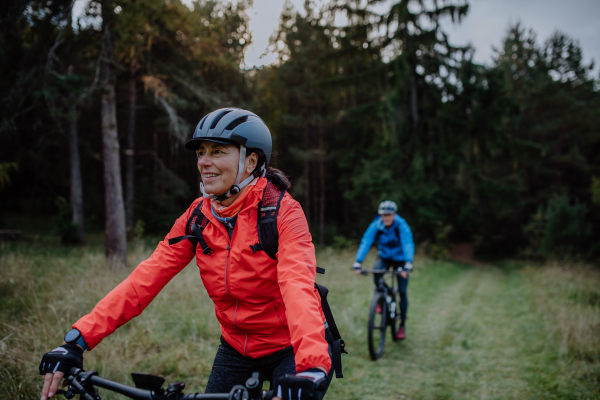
[
  {"x": 387, "y": 207},
  {"x": 234, "y": 126}
]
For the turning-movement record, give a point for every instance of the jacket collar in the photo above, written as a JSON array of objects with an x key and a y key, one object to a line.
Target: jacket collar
[
  {"x": 251, "y": 203},
  {"x": 381, "y": 226}
]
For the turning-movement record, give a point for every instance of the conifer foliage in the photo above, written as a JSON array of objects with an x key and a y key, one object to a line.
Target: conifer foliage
[{"x": 368, "y": 100}]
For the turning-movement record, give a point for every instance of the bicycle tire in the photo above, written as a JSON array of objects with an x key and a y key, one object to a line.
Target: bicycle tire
[
  {"x": 377, "y": 326},
  {"x": 395, "y": 322}
]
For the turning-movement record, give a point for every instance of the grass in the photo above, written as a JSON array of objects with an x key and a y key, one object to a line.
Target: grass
[{"x": 503, "y": 332}]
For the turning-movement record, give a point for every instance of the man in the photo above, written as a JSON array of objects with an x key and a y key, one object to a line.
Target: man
[{"x": 396, "y": 250}]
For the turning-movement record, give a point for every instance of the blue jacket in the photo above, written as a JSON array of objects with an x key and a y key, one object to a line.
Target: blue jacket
[{"x": 390, "y": 248}]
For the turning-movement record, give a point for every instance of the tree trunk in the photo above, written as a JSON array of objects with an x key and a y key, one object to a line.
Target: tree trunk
[
  {"x": 307, "y": 174},
  {"x": 408, "y": 51},
  {"x": 413, "y": 101},
  {"x": 76, "y": 184},
  {"x": 321, "y": 184},
  {"x": 130, "y": 152},
  {"x": 116, "y": 235}
]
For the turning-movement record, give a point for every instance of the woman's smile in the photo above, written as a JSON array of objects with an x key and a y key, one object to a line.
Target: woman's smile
[{"x": 218, "y": 164}]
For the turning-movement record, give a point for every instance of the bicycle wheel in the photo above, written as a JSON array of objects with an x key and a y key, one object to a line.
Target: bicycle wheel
[
  {"x": 377, "y": 326},
  {"x": 395, "y": 320}
]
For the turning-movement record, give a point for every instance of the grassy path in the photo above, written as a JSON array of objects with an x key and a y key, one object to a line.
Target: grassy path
[{"x": 473, "y": 332}]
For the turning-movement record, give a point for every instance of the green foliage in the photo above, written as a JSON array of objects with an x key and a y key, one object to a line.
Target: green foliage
[
  {"x": 535, "y": 233},
  {"x": 162, "y": 200},
  {"x": 561, "y": 229},
  {"x": 63, "y": 225},
  {"x": 5, "y": 168},
  {"x": 136, "y": 233},
  {"x": 568, "y": 229},
  {"x": 440, "y": 248},
  {"x": 380, "y": 107},
  {"x": 596, "y": 190}
]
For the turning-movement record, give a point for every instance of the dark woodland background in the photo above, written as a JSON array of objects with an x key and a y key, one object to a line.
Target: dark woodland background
[{"x": 505, "y": 156}]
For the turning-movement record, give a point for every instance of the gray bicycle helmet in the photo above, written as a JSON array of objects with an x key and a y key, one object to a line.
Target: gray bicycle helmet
[
  {"x": 387, "y": 207},
  {"x": 233, "y": 126},
  {"x": 239, "y": 127}
]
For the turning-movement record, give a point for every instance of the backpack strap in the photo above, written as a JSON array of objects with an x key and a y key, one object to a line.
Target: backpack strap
[
  {"x": 266, "y": 221},
  {"x": 379, "y": 233},
  {"x": 338, "y": 345},
  {"x": 193, "y": 229}
]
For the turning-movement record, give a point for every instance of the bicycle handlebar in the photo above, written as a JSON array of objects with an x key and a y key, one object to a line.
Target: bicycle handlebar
[
  {"x": 83, "y": 383},
  {"x": 379, "y": 271}
]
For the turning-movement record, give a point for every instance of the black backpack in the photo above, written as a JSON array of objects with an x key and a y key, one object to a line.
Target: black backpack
[{"x": 268, "y": 241}]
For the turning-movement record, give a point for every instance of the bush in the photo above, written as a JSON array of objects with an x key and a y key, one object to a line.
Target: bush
[
  {"x": 440, "y": 248},
  {"x": 562, "y": 229},
  {"x": 63, "y": 225}
]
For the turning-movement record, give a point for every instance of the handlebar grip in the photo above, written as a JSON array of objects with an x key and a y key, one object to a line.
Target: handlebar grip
[{"x": 268, "y": 395}]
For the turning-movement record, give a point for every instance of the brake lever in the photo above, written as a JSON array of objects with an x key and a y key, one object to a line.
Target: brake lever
[{"x": 75, "y": 386}]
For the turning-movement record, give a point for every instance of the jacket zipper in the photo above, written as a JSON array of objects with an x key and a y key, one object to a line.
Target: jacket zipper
[
  {"x": 227, "y": 290},
  {"x": 279, "y": 315},
  {"x": 226, "y": 264}
]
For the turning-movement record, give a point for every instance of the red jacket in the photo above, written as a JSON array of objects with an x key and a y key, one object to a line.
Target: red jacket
[{"x": 263, "y": 305}]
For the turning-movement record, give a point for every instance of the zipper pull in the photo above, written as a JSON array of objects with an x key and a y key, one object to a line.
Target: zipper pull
[{"x": 227, "y": 247}]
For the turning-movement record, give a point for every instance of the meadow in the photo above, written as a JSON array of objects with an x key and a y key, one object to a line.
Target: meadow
[{"x": 511, "y": 330}]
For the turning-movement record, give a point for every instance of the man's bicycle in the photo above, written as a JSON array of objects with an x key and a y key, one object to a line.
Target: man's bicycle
[
  {"x": 383, "y": 312},
  {"x": 149, "y": 387}
]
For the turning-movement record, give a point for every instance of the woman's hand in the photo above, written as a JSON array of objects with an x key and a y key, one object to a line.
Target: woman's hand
[
  {"x": 56, "y": 363},
  {"x": 302, "y": 386},
  {"x": 51, "y": 381}
]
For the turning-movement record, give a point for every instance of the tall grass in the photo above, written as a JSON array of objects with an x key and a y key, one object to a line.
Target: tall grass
[
  {"x": 473, "y": 332},
  {"x": 568, "y": 296}
]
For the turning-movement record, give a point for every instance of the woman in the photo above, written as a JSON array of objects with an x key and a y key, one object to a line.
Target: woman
[{"x": 270, "y": 313}]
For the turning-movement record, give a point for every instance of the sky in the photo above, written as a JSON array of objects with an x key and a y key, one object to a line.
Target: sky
[{"x": 484, "y": 26}]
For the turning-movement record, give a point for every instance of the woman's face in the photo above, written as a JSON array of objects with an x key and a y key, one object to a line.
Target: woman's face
[
  {"x": 218, "y": 166},
  {"x": 388, "y": 219}
]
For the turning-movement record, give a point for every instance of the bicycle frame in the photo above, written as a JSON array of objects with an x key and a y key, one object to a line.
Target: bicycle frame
[
  {"x": 149, "y": 387},
  {"x": 385, "y": 301}
]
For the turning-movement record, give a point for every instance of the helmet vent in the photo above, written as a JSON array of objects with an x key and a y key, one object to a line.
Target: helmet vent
[
  {"x": 236, "y": 122},
  {"x": 218, "y": 118},
  {"x": 203, "y": 120}
]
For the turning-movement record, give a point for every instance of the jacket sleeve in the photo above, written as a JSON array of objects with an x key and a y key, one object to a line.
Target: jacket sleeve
[
  {"x": 133, "y": 295},
  {"x": 406, "y": 238},
  {"x": 296, "y": 270},
  {"x": 366, "y": 242}
]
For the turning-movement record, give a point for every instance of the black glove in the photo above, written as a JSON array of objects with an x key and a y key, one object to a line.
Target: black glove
[
  {"x": 302, "y": 386},
  {"x": 62, "y": 359}
]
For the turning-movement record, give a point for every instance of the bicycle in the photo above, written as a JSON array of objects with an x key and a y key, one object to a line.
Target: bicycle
[
  {"x": 149, "y": 387},
  {"x": 388, "y": 314}
]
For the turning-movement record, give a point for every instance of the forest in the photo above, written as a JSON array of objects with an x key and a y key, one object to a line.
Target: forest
[{"x": 95, "y": 110}]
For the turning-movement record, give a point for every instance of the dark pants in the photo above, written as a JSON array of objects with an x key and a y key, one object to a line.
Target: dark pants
[
  {"x": 384, "y": 265},
  {"x": 231, "y": 368}
]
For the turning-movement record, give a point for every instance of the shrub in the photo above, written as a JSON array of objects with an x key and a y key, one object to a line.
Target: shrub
[
  {"x": 562, "y": 229},
  {"x": 63, "y": 226}
]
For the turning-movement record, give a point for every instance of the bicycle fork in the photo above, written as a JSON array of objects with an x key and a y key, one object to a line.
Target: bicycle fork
[{"x": 391, "y": 306}]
